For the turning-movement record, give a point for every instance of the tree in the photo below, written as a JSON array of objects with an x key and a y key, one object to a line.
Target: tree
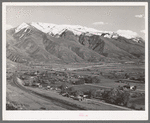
[
  {"x": 92, "y": 94},
  {"x": 78, "y": 93},
  {"x": 99, "y": 93},
  {"x": 63, "y": 88},
  {"x": 80, "y": 81},
  {"x": 126, "y": 76},
  {"x": 117, "y": 96}
]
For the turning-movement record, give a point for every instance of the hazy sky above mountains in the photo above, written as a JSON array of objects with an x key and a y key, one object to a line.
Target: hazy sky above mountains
[{"x": 129, "y": 20}]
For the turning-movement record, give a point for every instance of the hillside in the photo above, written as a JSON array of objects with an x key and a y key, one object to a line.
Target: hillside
[{"x": 50, "y": 43}]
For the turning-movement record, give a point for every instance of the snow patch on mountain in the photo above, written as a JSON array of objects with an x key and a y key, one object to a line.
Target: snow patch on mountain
[
  {"x": 127, "y": 34},
  {"x": 20, "y": 27},
  {"x": 44, "y": 27}
]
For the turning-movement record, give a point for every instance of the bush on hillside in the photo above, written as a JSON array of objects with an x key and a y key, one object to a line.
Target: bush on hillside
[
  {"x": 137, "y": 95},
  {"x": 71, "y": 89},
  {"x": 92, "y": 94},
  {"x": 63, "y": 88},
  {"x": 78, "y": 82},
  {"x": 94, "y": 79},
  {"x": 99, "y": 93},
  {"x": 132, "y": 78}
]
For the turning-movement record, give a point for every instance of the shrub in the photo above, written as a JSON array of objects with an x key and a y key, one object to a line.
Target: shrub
[
  {"x": 125, "y": 98},
  {"x": 137, "y": 95},
  {"x": 126, "y": 75},
  {"x": 93, "y": 94},
  {"x": 71, "y": 90},
  {"x": 99, "y": 93},
  {"x": 88, "y": 79},
  {"x": 132, "y": 78},
  {"x": 53, "y": 82},
  {"x": 94, "y": 79},
  {"x": 11, "y": 106},
  {"x": 80, "y": 81},
  {"x": 63, "y": 88},
  {"x": 141, "y": 79}
]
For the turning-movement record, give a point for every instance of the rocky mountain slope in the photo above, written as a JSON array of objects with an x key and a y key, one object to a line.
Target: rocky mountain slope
[{"x": 50, "y": 43}]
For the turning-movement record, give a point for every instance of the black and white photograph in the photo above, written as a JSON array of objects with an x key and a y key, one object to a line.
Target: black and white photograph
[{"x": 75, "y": 61}]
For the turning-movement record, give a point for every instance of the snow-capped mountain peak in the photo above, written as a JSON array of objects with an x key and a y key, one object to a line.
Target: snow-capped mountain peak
[
  {"x": 58, "y": 29},
  {"x": 54, "y": 29}
]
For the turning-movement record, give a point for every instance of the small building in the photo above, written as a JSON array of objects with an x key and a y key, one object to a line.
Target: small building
[
  {"x": 48, "y": 87},
  {"x": 33, "y": 79},
  {"x": 65, "y": 94},
  {"x": 78, "y": 97},
  {"x": 133, "y": 88},
  {"x": 26, "y": 83},
  {"x": 36, "y": 84}
]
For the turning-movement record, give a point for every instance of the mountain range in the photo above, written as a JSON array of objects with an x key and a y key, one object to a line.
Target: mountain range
[{"x": 36, "y": 42}]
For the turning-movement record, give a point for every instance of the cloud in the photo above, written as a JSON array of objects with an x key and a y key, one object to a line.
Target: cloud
[
  {"x": 139, "y": 16},
  {"x": 8, "y": 26},
  {"x": 99, "y": 23},
  {"x": 143, "y": 31},
  {"x": 127, "y": 33}
]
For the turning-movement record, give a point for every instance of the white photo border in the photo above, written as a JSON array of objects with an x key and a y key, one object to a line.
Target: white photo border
[{"x": 72, "y": 115}]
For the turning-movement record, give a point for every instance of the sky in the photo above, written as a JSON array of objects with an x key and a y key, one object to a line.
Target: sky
[{"x": 121, "y": 19}]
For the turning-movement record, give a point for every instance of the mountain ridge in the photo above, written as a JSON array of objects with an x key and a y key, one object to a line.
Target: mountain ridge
[
  {"x": 54, "y": 29},
  {"x": 70, "y": 44}
]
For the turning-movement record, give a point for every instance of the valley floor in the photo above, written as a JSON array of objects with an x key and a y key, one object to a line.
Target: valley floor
[{"x": 26, "y": 101}]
